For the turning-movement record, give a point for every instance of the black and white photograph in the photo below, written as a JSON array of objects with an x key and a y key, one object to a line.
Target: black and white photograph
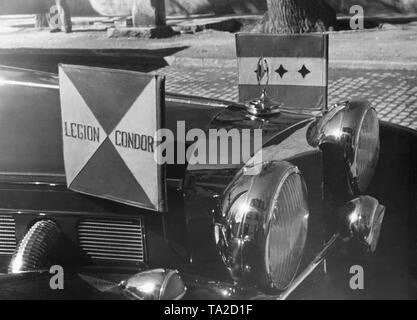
[{"x": 220, "y": 151}]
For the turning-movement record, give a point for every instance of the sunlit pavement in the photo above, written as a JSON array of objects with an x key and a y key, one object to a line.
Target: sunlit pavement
[{"x": 392, "y": 92}]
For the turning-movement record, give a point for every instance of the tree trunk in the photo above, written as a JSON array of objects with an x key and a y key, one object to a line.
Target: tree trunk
[
  {"x": 148, "y": 13},
  {"x": 296, "y": 16},
  {"x": 41, "y": 21},
  {"x": 66, "y": 15}
]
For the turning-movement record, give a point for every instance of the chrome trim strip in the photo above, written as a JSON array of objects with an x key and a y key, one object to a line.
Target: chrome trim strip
[
  {"x": 93, "y": 242},
  {"x": 110, "y": 240},
  {"x": 171, "y": 183},
  {"x": 110, "y": 224},
  {"x": 28, "y": 84},
  {"x": 196, "y": 100},
  {"x": 93, "y": 230},
  {"x": 101, "y": 247},
  {"x": 109, "y": 254},
  {"x": 118, "y": 259}
]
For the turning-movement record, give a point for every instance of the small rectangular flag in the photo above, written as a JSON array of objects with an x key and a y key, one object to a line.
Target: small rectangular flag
[
  {"x": 294, "y": 68},
  {"x": 109, "y": 122}
]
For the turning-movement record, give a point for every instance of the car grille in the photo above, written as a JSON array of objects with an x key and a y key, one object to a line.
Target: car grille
[
  {"x": 112, "y": 240},
  {"x": 7, "y": 235}
]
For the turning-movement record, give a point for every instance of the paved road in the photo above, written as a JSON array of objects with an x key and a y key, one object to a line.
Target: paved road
[{"x": 393, "y": 93}]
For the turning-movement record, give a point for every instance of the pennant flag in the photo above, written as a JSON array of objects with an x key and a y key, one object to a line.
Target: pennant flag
[
  {"x": 109, "y": 121},
  {"x": 294, "y": 68}
]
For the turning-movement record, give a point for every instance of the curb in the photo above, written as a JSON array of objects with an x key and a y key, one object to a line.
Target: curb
[
  {"x": 373, "y": 65},
  {"x": 201, "y": 62},
  {"x": 177, "y": 61}
]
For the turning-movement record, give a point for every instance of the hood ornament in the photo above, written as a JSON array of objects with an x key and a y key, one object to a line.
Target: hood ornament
[{"x": 263, "y": 106}]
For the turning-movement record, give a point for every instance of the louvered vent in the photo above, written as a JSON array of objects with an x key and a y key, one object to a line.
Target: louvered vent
[
  {"x": 7, "y": 235},
  {"x": 112, "y": 240}
]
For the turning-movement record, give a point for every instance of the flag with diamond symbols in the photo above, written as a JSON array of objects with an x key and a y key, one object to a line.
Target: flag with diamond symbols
[
  {"x": 109, "y": 121},
  {"x": 294, "y": 68}
]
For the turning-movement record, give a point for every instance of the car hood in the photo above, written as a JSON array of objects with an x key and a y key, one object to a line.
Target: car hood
[
  {"x": 93, "y": 285},
  {"x": 36, "y": 286},
  {"x": 30, "y": 112}
]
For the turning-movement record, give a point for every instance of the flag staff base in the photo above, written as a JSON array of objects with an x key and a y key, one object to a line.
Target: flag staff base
[{"x": 264, "y": 106}]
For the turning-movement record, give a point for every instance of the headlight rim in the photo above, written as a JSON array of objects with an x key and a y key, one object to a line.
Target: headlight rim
[
  {"x": 353, "y": 168},
  {"x": 340, "y": 127},
  {"x": 244, "y": 265},
  {"x": 288, "y": 174}
]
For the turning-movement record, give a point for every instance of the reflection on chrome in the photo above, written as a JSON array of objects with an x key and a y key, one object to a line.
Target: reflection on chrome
[{"x": 157, "y": 284}]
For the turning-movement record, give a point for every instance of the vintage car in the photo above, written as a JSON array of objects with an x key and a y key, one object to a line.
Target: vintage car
[{"x": 331, "y": 187}]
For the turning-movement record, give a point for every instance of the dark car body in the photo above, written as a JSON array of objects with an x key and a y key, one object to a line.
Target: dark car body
[{"x": 33, "y": 188}]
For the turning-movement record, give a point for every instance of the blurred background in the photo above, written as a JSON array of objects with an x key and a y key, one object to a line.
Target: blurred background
[{"x": 189, "y": 7}]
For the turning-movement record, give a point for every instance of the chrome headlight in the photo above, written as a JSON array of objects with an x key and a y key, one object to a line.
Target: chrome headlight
[
  {"x": 361, "y": 219},
  {"x": 156, "y": 284},
  {"x": 354, "y": 128},
  {"x": 366, "y": 153},
  {"x": 262, "y": 230}
]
